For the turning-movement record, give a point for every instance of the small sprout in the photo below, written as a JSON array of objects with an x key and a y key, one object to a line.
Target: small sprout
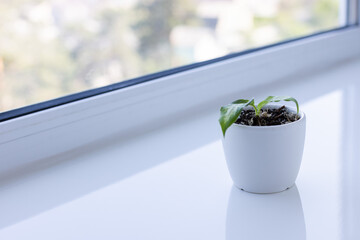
[{"x": 230, "y": 113}]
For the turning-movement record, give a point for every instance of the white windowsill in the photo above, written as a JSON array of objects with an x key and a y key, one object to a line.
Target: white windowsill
[
  {"x": 172, "y": 182},
  {"x": 125, "y": 113}
]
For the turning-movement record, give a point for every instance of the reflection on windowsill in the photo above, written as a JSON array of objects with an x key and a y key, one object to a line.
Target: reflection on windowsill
[{"x": 265, "y": 216}]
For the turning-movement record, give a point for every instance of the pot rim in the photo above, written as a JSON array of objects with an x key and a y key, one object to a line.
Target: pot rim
[{"x": 293, "y": 109}]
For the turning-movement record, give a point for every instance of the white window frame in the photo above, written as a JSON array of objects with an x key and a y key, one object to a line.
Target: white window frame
[
  {"x": 133, "y": 110},
  {"x": 353, "y": 14}
]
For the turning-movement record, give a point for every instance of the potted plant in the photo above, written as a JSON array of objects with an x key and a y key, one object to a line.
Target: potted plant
[{"x": 263, "y": 143}]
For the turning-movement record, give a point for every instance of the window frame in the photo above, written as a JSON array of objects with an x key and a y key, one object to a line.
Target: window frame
[
  {"x": 199, "y": 87},
  {"x": 352, "y": 12},
  {"x": 26, "y": 110}
]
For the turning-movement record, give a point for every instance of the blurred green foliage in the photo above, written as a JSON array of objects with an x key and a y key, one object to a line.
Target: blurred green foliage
[{"x": 53, "y": 48}]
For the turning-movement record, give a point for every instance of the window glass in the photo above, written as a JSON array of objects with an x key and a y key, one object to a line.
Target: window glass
[{"x": 51, "y": 48}]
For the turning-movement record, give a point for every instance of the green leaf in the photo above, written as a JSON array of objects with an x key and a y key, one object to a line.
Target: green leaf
[
  {"x": 270, "y": 99},
  {"x": 229, "y": 113},
  {"x": 239, "y": 101},
  {"x": 257, "y": 110}
]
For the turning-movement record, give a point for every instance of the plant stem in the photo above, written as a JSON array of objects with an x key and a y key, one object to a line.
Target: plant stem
[{"x": 258, "y": 120}]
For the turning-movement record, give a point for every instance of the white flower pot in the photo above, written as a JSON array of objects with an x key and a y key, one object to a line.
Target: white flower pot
[{"x": 265, "y": 159}]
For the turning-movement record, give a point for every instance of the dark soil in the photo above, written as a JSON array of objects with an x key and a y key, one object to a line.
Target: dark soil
[{"x": 267, "y": 117}]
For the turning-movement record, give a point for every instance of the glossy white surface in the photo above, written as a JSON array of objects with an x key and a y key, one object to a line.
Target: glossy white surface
[{"x": 173, "y": 183}]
